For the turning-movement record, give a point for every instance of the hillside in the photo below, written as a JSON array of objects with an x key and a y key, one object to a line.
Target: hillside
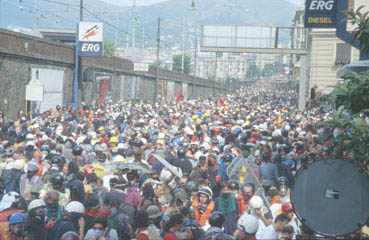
[{"x": 173, "y": 14}]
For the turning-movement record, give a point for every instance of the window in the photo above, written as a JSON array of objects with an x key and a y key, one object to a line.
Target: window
[{"x": 343, "y": 53}]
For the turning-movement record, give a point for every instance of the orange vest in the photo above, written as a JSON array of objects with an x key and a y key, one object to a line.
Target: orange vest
[
  {"x": 244, "y": 206},
  {"x": 202, "y": 218}
]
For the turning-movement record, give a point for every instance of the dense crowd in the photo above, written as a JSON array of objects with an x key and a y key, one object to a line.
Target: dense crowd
[{"x": 174, "y": 170}]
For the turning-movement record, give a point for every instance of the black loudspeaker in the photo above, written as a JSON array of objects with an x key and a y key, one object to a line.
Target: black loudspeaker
[
  {"x": 88, "y": 75},
  {"x": 331, "y": 196}
]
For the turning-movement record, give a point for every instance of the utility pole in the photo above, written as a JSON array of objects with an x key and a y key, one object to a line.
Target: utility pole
[
  {"x": 194, "y": 70},
  {"x": 81, "y": 11},
  {"x": 80, "y": 66},
  {"x": 116, "y": 30},
  {"x": 35, "y": 18},
  {"x": 143, "y": 38},
  {"x": 183, "y": 39},
  {"x": 133, "y": 23},
  {"x": 215, "y": 72},
  {"x": 157, "y": 64}
]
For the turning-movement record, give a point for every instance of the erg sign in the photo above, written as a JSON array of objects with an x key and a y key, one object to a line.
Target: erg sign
[
  {"x": 90, "y": 39},
  {"x": 320, "y": 13}
]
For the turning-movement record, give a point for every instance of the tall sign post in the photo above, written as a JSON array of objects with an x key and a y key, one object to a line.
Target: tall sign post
[{"x": 89, "y": 43}]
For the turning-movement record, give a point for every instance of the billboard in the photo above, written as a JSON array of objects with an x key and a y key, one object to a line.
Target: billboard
[
  {"x": 52, "y": 82},
  {"x": 90, "y": 39},
  {"x": 320, "y": 13}
]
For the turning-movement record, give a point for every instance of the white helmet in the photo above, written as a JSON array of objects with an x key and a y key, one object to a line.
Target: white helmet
[
  {"x": 256, "y": 202},
  {"x": 29, "y": 136},
  {"x": 118, "y": 158},
  {"x": 207, "y": 191},
  {"x": 287, "y": 128},
  {"x": 75, "y": 207},
  {"x": 249, "y": 223},
  {"x": 120, "y": 146},
  {"x": 36, "y": 204},
  {"x": 19, "y": 164}
]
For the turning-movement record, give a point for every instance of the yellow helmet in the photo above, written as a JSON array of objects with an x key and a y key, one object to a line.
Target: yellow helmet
[
  {"x": 206, "y": 114},
  {"x": 198, "y": 121},
  {"x": 194, "y": 117},
  {"x": 113, "y": 140}
]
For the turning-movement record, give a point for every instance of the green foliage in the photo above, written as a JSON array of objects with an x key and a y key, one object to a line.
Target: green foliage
[
  {"x": 253, "y": 71},
  {"x": 177, "y": 64},
  {"x": 361, "y": 31},
  {"x": 273, "y": 68},
  {"x": 109, "y": 48},
  {"x": 351, "y": 101},
  {"x": 353, "y": 138}
]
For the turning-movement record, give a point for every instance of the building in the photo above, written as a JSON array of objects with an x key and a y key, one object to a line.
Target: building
[{"x": 326, "y": 53}]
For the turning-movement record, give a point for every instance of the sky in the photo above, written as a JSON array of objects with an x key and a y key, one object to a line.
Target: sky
[{"x": 148, "y": 2}]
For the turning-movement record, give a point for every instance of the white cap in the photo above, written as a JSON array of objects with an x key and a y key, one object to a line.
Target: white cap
[{"x": 29, "y": 136}]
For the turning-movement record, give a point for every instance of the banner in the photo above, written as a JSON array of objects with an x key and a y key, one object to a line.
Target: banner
[
  {"x": 170, "y": 91},
  {"x": 185, "y": 90},
  {"x": 103, "y": 88}
]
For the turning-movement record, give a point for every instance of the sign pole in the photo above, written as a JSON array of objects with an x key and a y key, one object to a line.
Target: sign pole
[{"x": 76, "y": 62}]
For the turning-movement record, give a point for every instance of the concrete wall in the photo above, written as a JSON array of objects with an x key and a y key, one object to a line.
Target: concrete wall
[
  {"x": 323, "y": 70},
  {"x": 19, "y": 53}
]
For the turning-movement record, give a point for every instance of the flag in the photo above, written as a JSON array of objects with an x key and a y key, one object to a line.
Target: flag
[
  {"x": 221, "y": 102},
  {"x": 180, "y": 98}
]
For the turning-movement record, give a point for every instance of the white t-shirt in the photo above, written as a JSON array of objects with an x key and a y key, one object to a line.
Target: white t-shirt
[{"x": 267, "y": 233}]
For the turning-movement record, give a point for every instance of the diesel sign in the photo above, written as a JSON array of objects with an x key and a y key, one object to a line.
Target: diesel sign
[{"x": 320, "y": 13}]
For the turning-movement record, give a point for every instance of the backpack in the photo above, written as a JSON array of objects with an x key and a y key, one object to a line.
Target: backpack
[
  {"x": 213, "y": 236},
  {"x": 122, "y": 229},
  {"x": 10, "y": 181}
]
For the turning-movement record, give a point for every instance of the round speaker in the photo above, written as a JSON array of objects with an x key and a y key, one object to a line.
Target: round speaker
[{"x": 331, "y": 196}]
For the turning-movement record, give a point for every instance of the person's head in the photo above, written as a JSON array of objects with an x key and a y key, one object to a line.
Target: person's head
[
  {"x": 52, "y": 199},
  {"x": 175, "y": 223},
  {"x": 92, "y": 204},
  {"x": 154, "y": 214},
  {"x": 100, "y": 224},
  {"x": 248, "y": 190},
  {"x": 74, "y": 211},
  {"x": 18, "y": 224},
  {"x": 205, "y": 195},
  {"x": 37, "y": 211},
  {"x": 115, "y": 203},
  {"x": 216, "y": 219},
  {"x": 287, "y": 209},
  {"x": 287, "y": 232},
  {"x": 142, "y": 219},
  {"x": 225, "y": 189},
  {"x": 158, "y": 191},
  {"x": 280, "y": 221}
]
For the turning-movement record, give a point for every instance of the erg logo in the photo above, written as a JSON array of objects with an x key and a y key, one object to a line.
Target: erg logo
[{"x": 321, "y": 5}]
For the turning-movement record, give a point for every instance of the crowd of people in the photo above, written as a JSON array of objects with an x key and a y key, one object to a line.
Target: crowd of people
[{"x": 160, "y": 171}]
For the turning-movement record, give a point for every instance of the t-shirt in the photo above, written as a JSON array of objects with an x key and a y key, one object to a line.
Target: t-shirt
[{"x": 267, "y": 233}]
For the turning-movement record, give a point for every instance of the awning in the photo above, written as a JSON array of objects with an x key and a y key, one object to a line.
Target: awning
[{"x": 357, "y": 67}]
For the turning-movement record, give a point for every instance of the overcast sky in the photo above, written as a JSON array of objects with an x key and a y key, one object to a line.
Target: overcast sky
[{"x": 148, "y": 2}]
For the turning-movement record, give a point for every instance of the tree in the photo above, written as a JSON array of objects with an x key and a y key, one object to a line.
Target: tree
[
  {"x": 110, "y": 48},
  {"x": 252, "y": 71},
  {"x": 177, "y": 64},
  {"x": 351, "y": 102}
]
